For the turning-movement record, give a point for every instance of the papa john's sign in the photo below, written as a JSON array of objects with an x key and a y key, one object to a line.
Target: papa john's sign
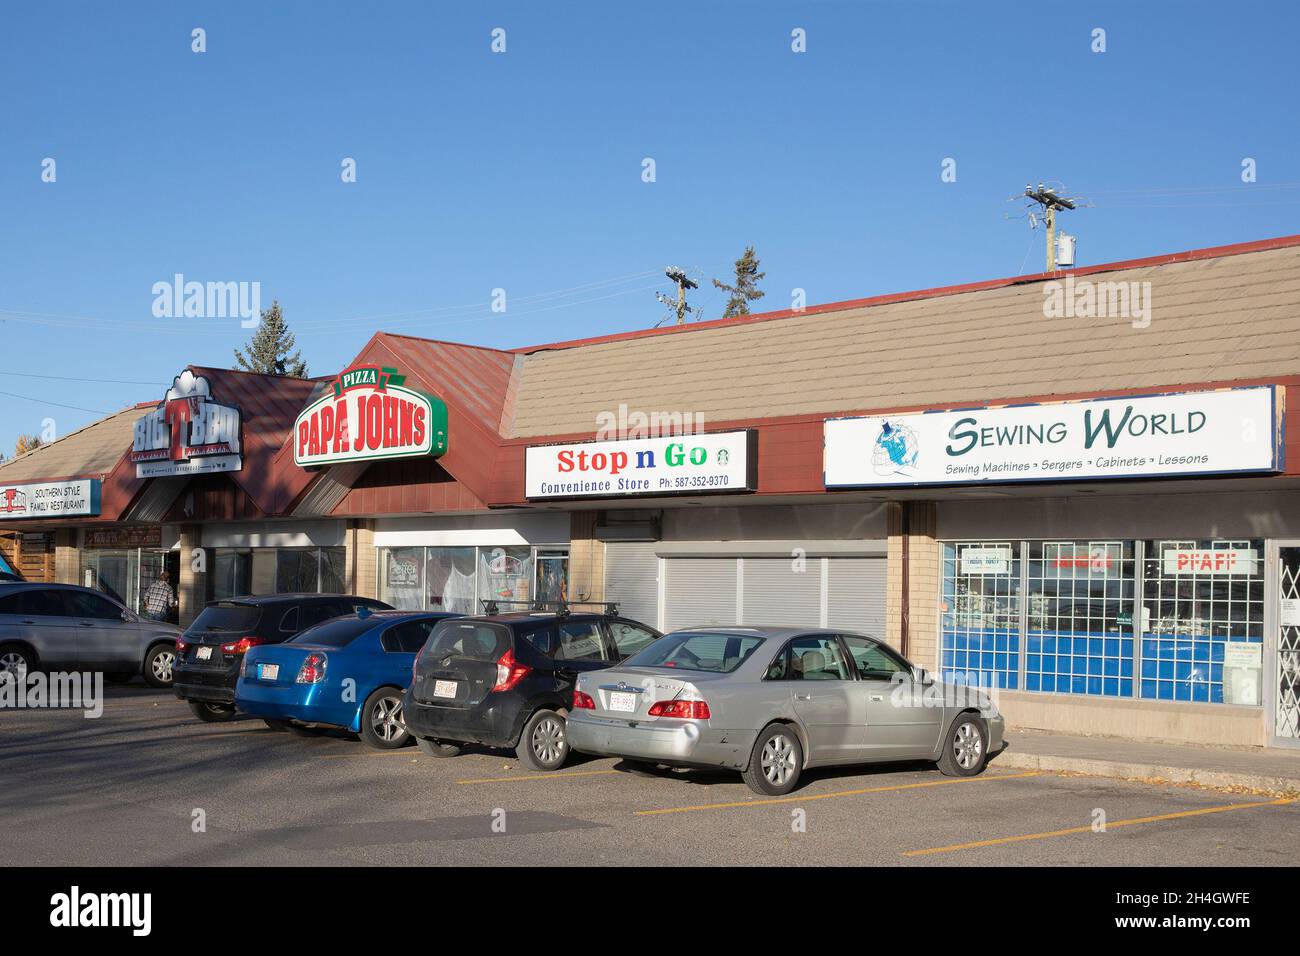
[
  {"x": 367, "y": 414},
  {"x": 189, "y": 433}
]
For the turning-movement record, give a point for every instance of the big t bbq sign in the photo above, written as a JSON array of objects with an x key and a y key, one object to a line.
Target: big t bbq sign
[
  {"x": 189, "y": 433},
  {"x": 367, "y": 414}
]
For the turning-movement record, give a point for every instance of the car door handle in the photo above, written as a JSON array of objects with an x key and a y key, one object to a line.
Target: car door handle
[
  {"x": 877, "y": 697},
  {"x": 803, "y": 696},
  {"x": 86, "y": 623}
]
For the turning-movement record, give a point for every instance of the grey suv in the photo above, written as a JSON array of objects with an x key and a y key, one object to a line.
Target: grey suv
[{"x": 55, "y": 626}]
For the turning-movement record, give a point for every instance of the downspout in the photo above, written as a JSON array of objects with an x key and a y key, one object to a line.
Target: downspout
[{"x": 905, "y": 603}]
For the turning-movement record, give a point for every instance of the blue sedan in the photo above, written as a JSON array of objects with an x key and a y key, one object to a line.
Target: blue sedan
[{"x": 348, "y": 672}]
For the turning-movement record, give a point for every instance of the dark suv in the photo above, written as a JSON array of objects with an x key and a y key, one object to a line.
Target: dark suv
[
  {"x": 210, "y": 651},
  {"x": 506, "y": 679}
]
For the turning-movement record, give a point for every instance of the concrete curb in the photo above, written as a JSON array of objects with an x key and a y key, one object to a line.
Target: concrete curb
[{"x": 1215, "y": 779}]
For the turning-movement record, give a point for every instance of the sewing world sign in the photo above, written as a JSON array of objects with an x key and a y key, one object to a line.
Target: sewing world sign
[{"x": 368, "y": 414}]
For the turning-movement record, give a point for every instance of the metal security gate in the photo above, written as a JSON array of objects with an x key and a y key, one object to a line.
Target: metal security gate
[{"x": 1286, "y": 718}]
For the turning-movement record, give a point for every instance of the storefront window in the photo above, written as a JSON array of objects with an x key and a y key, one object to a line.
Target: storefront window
[
  {"x": 240, "y": 571},
  {"x": 1203, "y": 625},
  {"x": 449, "y": 577},
  {"x": 460, "y": 579},
  {"x": 401, "y": 581},
  {"x": 981, "y": 614},
  {"x": 505, "y": 574},
  {"x": 552, "y": 575},
  {"x": 127, "y": 573},
  {"x": 1198, "y": 606},
  {"x": 1080, "y": 617}
]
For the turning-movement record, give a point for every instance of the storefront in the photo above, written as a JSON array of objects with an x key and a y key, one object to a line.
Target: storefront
[
  {"x": 124, "y": 562},
  {"x": 1096, "y": 520}
]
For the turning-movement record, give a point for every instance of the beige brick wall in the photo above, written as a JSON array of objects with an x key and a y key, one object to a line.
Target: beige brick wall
[
  {"x": 67, "y": 557},
  {"x": 923, "y": 581},
  {"x": 586, "y": 558},
  {"x": 362, "y": 562},
  {"x": 193, "y": 589}
]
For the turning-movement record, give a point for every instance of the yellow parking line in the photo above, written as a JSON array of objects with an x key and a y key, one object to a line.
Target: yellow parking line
[
  {"x": 543, "y": 776},
  {"x": 804, "y": 798},
  {"x": 1109, "y": 824}
]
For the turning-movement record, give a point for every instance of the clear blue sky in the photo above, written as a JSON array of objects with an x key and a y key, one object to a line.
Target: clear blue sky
[{"x": 523, "y": 170}]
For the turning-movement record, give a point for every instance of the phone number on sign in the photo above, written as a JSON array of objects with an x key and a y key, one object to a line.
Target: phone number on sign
[{"x": 696, "y": 481}]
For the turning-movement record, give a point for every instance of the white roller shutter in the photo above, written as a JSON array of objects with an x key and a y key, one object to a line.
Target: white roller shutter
[
  {"x": 856, "y": 595},
  {"x": 699, "y": 591},
  {"x": 632, "y": 579},
  {"x": 776, "y": 594}
]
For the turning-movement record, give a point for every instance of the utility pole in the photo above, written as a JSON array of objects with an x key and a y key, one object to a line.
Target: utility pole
[
  {"x": 683, "y": 283},
  {"x": 1047, "y": 198}
]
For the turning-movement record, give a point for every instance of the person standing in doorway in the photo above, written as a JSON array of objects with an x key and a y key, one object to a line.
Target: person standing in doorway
[{"x": 159, "y": 598}]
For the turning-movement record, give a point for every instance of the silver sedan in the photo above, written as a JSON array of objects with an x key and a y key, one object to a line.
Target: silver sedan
[{"x": 773, "y": 702}]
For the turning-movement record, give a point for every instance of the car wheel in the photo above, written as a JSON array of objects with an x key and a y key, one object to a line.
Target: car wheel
[
  {"x": 965, "y": 749},
  {"x": 212, "y": 713},
  {"x": 382, "y": 726},
  {"x": 437, "y": 748},
  {"x": 776, "y": 761},
  {"x": 543, "y": 745},
  {"x": 280, "y": 726},
  {"x": 15, "y": 663},
  {"x": 158, "y": 665}
]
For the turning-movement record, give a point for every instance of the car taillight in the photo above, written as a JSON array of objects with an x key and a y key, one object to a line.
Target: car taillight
[
  {"x": 509, "y": 672},
  {"x": 312, "y": 670},
  {"x": 686, "y": 709},
  {"x": 181, "y": 645},
  {"x": 240, "y": 646},
  {"x": 582, "y": 701}
]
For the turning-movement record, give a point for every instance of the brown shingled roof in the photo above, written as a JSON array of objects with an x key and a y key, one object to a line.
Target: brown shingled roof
[{"x": 90, "y": 451}]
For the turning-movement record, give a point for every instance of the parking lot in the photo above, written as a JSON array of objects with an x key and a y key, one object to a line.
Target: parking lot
[{"x": 133, "y": 787}]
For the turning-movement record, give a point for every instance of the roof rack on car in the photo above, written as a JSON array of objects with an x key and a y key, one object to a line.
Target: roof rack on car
[{"x": 560, "y": 608}]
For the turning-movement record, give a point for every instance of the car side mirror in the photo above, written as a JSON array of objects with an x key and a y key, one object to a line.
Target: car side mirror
[{"x": 922, "y": 676}]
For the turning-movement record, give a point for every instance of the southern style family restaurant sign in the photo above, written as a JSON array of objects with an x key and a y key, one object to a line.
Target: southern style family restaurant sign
[
  {"x": 368, "y": 413},
  {"x": 50, "y": 499},
  {"x": 1190, "y": 433},
  {"x": 671, "y": 465},
  {"x": 189, "y": 433}
]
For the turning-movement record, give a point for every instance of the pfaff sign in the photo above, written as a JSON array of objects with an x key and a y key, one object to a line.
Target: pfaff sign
[
  {"x": 367, "y": 414},
  {"x": 50, "y": 499},
  {"x": 1210, "y": 561},
  {"x": 189, "y": 433}
]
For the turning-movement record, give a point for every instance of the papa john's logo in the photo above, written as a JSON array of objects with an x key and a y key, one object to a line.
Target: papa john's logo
[
  {"x": 188, "y": 433},
  {"x": 12, "y": 501},
  {"x": 895, "y": 451}
]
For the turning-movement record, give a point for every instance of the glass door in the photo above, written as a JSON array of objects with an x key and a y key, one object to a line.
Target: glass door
[{"x": 1286, "y": 720}]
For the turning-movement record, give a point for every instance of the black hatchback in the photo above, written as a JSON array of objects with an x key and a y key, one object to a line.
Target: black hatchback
[
  {"x": 210, "y": 651},
  {"x": 506, "y": 680}
]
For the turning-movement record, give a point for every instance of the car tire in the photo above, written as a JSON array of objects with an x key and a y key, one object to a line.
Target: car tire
[
  {"x": 437, "y": 748},
  {"x": 158, "y": 665},
  {"x": 543, "y": 745},
  {"x": 16, "y": 661},
  {"x": 279, "y": 726},
  {"x": 382, "y": 726},
  {"x": 212, "y": 713},
  {"x": 965, "y": 747},
  {"x": 775, "y": 762}
]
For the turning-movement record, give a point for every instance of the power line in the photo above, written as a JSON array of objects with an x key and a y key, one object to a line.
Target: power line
[
  {"x": 41, "y": 401},
  {"x": 74, "y": 378}
]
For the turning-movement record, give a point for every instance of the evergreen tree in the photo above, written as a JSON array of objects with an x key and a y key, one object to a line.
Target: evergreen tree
[
  {"x": 268, "y": 351},
  {"x": 746, "y": 288}
]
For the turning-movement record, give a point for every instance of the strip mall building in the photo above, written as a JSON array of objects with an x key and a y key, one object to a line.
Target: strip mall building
[{"x": 1097, "y": 514}]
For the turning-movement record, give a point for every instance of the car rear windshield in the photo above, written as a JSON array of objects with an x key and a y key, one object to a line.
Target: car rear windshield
[
  {"x": 227, "y": 617},
  {"x": 697, "y": 651},
  {"x": 339, "y": 632},
  {"x": 471, "y": 639}
]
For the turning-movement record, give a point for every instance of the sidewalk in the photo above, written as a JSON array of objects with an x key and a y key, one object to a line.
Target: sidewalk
[{"x": 1269, "y": 771}]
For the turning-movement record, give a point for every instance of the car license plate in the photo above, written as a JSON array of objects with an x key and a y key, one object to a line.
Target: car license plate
[
  {"x": 622, "y": 702},
  {"x": 268, "y": 671},
  {"x": 444, "y": 688},
  {"x": 204, "y": 654}
]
